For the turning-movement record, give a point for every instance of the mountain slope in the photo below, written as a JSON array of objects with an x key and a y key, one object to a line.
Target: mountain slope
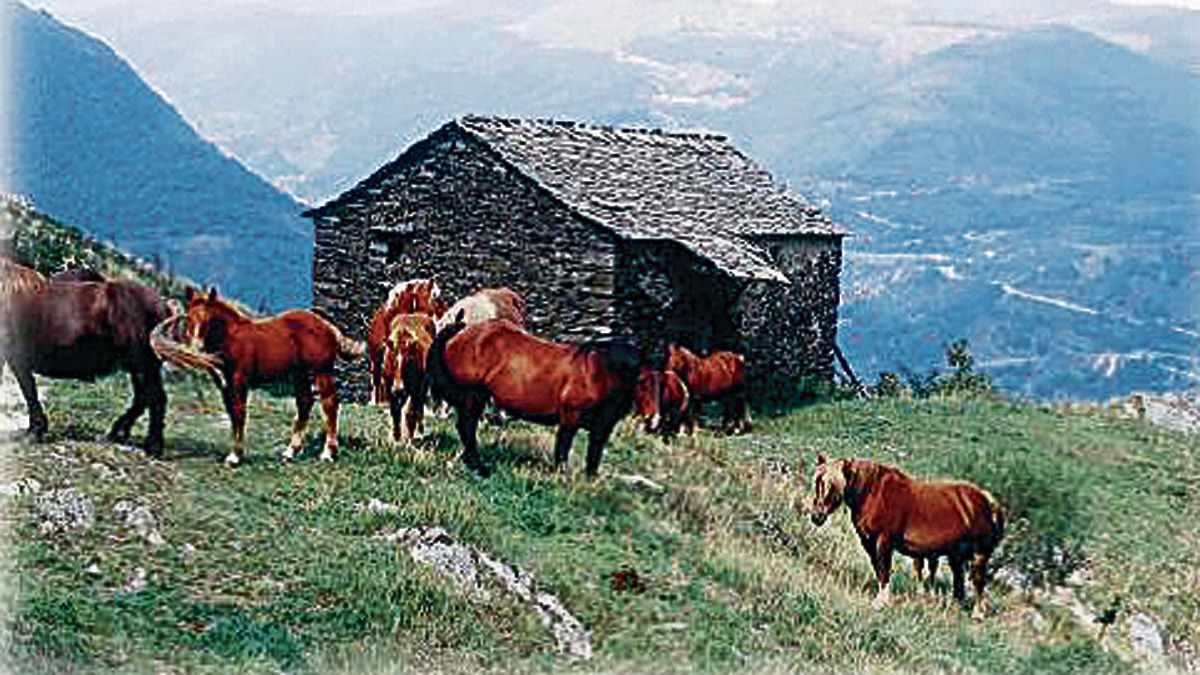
[
  {"x": 1034, "y": 194},
  {"x": 93, "y": 145}
]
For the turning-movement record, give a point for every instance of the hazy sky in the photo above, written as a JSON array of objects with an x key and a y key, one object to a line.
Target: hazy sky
[{"x": 606, "y": 24}]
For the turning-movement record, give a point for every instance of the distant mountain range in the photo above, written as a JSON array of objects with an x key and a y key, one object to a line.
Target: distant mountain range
[
  {"x": 93, "y": 145},
  {"x": 1033, "y": 190}
]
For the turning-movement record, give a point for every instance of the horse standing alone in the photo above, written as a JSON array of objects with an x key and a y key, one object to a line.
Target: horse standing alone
[
  {"x": 891, "y": 511},
  {"x": 572, "y": 387},
  {"x": 296, "y": 344},
  {"x": 66, "y": 328}
]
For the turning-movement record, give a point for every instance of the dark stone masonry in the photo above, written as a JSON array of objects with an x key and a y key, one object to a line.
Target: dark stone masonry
[{"x": 607, "y": 232}]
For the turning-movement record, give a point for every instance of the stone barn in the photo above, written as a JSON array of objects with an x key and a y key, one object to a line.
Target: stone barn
[{"x": 606, "y": 232}]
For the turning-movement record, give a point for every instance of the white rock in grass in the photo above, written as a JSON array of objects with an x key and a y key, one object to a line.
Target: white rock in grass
[
  {"x": 1144, "y": 638},
  {"x": 137, "y": 581},
  {"x": 24, "y": 486},
  {"x": 63, "y": 510},
  {"x": 468, "y": 568}
]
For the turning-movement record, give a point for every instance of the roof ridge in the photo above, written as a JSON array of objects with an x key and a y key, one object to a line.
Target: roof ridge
[{"x": 696, "y": 135}]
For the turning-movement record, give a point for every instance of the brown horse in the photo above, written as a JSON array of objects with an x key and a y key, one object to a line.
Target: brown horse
[
  {"x": 720, "y": 376},
  {"x": 573, "y": 387},
  {"x": 405, "y": 352},
  {"x": 62, "y": 328},
  {"x": 660, "y": 402},
  {"x": 406, "y": 297},
  {"x": 296, "y": 345},
  {"x": 487, "y": 304},
  {"x": 891, "y": 511}
]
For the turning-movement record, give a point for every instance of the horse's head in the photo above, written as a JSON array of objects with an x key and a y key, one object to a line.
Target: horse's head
[
  {"x": 405, "y": 351},
  {"x": 829, "y": 486},
  {"x": 678, "y": 359},
  {"x": 207, "y": 318}
]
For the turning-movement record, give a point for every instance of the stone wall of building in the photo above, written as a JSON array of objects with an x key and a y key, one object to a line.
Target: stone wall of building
[
  {"x": 455, "y": 213},
  {"x": 790, "y": 330}
]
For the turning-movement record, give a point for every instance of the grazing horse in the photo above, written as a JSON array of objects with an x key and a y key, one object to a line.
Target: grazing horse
[
  {"x": 891, "y": 511},
  {"x": 721, "y": 376},
  {"x": 82, "y": 330},
  {"x": 573, "y": 387},
  {"x": 487, "y": 304},
  {"x": 405, "y": 351},
  {"x": 406, "y": 297},
  {"x": 297, "y": 345},
  {"x": 660, "y": 402}
]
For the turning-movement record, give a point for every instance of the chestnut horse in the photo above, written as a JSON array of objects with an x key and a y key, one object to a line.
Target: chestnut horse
[
  {"x": 487, "y": 304},
  {"x": 296, "y": 345},
  {"x": 891, "y": 511},
  {"x": 721, "y": 376},
  {"x": 63, "y": 328},
  {"x": 406, "y": 297},
  {"x": 573, "y": 387},
  {"x": 405, "y": 352},
  {"x": 660, "y": 402}
]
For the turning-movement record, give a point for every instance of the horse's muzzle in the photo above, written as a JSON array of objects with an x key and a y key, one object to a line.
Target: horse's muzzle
[{"x": 818, "y": 518}]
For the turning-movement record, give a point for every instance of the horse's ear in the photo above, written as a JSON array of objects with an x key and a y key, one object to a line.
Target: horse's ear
[
  {"x": 212, "y": 293},
  {"x": 821, "y": 459}
]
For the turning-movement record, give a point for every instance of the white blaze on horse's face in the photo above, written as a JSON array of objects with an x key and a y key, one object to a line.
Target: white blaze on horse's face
[{"x": 828, "y": 483}]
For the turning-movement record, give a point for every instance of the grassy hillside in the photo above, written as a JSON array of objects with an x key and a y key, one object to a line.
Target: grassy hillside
[
  {"x": 49, "y": 246},
  {"x": 273, "y": 567},
  {"x": 114, "y": 562}
]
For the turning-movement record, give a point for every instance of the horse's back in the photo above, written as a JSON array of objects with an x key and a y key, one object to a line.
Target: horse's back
[{"x": 947, "y": 512}]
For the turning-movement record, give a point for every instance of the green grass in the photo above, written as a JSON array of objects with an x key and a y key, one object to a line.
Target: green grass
[{"x": 287, "y": 575}]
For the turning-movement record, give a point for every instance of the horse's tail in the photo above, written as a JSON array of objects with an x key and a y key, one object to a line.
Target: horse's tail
[
  {"x": 348, "y": 350},
  {"x": 437, "y": 371}
]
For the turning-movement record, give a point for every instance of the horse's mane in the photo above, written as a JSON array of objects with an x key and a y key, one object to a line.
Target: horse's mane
[{"x": 16, "y": 278}]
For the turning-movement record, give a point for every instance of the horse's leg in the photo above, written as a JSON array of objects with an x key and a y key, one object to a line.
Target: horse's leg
[
  {"x": 329, "y": 405},
  {"x": 931, "y": 580},
  {"x": 156, "y": 397},
  {"x": 37, "y": 417},
  {"x": 957, "y": 563},
  {"x": 979, "y": 564},
  {"x": 919, "y": 569},
  {"x": 744, "y": 425},
  {"x": 236, "y": 403},
  {"x": 302, "y": 389},
  {"x": 413, "y": 412},
  {"x": 121, "y": 428},
  {"x": 563, "y": 438},
  {"x": 597, "y": 437},
  {"x": 396, "y": 408},
  {"x": 883, "y": 571},
  {"x": 467, "y": 421}
]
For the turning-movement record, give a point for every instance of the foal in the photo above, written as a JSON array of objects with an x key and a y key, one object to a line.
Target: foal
[
  {"x": 403, "y": 378},
  {"x": 406, "y": 297},
  {"x": 297, "y": 344},
  {"x": 660, "y": 402},
  {"x": 891, "y": 511}
]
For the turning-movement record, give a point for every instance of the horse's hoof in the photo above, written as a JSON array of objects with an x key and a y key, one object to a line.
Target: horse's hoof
[
  {"x": 154, "y": 449},
  {"x": 232, "y": 460},
  {"x": 288, "y": 456},
  {"x": 327, "y": 456},
  {"x": 881, "y": 600}
]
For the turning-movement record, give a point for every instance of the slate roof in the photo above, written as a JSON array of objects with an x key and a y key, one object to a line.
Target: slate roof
[
  {"x": 647, "y": 184},
  {"x": 696, "y": 189}
]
